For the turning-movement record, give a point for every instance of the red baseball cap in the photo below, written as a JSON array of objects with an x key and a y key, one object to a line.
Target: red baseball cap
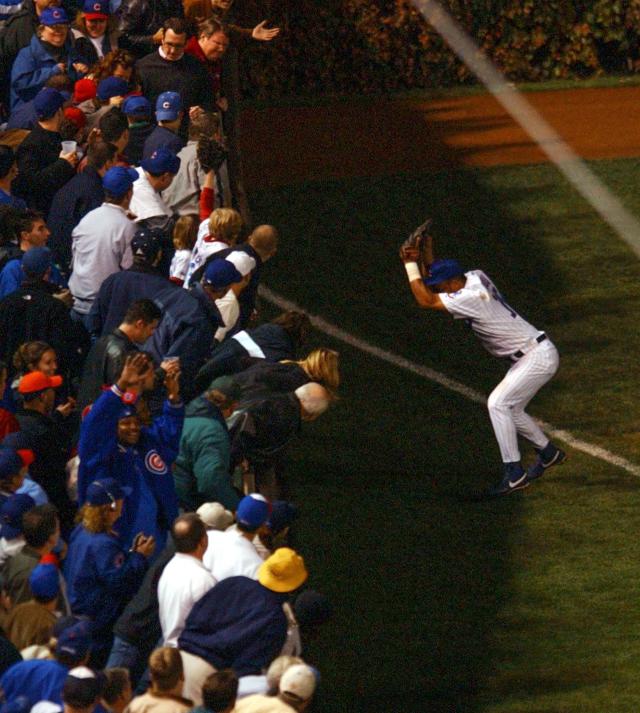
[
  {"x": 27, "y": 456},
  {"x": 37, "y": 381},
  {"x": 76, "y": 116},
  {"x": 84, "y": 89}
]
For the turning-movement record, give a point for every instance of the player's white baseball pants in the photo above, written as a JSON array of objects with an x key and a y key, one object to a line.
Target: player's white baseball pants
[{"x": 507, "y": 402}]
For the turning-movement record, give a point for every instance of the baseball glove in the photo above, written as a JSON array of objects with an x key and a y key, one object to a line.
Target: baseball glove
[
  {"x": 415, "y": 242},
  {"x": 211, "y": 154}
]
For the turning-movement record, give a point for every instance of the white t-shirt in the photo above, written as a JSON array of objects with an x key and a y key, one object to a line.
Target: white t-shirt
[
  {"x": 229, "y": 554},
  {"x": 498, "y": 326},
  {"x": 229, "y": 309},
  {"x": 180, "y": 264},
  {"x": 183, "y": 582},
  {"x": 146, "y": 201}
]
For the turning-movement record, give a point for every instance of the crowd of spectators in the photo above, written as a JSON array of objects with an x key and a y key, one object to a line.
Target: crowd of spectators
[{"x": 146, "y": 406}]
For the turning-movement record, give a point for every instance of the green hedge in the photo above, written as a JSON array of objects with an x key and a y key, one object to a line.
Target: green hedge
[{"x": 380, "y": 46}]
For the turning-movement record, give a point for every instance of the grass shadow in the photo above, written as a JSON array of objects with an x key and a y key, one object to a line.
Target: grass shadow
[{"x": 419, "y": 576}]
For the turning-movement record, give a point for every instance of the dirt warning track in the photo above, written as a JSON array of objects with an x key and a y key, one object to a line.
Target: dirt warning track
[{"x": 370, "y": 138}]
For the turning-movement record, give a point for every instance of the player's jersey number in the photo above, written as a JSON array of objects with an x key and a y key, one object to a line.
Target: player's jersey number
[{"x": 493, "y": 291}]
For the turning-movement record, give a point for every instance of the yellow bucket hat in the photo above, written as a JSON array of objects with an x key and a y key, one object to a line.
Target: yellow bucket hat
[{"x": 284, "y": 571}]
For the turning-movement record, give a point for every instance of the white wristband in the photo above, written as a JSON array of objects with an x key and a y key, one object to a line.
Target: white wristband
[{"x": 413, "y": 271}]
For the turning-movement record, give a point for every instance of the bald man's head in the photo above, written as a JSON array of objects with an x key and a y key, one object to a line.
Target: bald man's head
[
  {"x": 188, "y": 533},
  {"x": 264, "y": 240},
  {"x": 314, "y": 400}
]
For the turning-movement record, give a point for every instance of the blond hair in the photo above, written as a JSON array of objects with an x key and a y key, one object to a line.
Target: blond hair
[
  {"x": 95, "y": 518},
  {"x": 225, "y": 224},
  {"x": 185, "y": 232},
  {"x": 321, "y": 366}
]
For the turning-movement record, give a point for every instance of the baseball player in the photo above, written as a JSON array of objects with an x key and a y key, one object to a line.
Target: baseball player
[{"x": 443, "y": 285}]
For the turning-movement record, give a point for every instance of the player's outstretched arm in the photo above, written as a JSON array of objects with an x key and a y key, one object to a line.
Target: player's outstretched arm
[{"x": 423, "y": 295}]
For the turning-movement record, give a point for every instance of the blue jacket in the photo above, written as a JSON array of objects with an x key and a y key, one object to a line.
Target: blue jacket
[
  {"x": 119, "y": 290},
  {"x": 12, "y": 276},
  {"x": 237, "y": 624},
  {"x": 38, "y": 679},
  {"x": 187, "y": 328},
  {"x": 33, "y": 66},
  {"x": 70, "y": 204},
  {"x": 146, "y": 467},
  {"x": 101, "y": 577}
]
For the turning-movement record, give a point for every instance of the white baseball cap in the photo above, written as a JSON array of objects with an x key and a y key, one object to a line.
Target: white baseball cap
[
  {"x": 214, "y": 516},
  {"x": 299, "y": 680}
]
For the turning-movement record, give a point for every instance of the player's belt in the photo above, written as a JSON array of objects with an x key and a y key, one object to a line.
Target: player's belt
[{"x": 519, "y": 354}]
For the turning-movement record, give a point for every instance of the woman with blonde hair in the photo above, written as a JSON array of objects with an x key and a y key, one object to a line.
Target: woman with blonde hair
[
  {"x": 264, "y": 379},
  {"x": 219, "y": 232},
  {"x": 100, "y": 574}
]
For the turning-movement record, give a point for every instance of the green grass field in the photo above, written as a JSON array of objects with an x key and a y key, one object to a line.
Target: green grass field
[{"x": 525, "y": 604}]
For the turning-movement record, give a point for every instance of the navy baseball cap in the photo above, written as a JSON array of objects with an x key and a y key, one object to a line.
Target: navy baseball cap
[
  {"x": 44, "y": 581},
  {"x": 161, "y": 161},
  {"x": 147, "y": 242},
  {"x": 36, "y": 261},
  {"x": 253, "y": 511},
  {"x": 136, "y": 106},
  {"x": 11, "y": 514},
  {"x": 95, "y": 10},
  {"x": 282, "y": 515},
  {"x": 47, "y": 101},
  {"x": 53, "y": 16},
  {"x": 168, "y": 106},
  {"x": 441, "y": 270},
  {"x": 106, "y": 491},
  {"x": 220, "y": 273},
  {"x": 118, "y": 180},
  {"x": 10, "y": 462},
  {"x": 74, "y": 641},
  {"x": 112, "y": 87},
  {"x": 82, "y": 687}
]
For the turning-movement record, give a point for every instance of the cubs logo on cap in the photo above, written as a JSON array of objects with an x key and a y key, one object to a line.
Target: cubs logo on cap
[
  {"x": 168, "y": 106},
  {"x": 53, "y": 16},
  {"x": 95, "y": 10},
  {"x": 153, "y": 462}
]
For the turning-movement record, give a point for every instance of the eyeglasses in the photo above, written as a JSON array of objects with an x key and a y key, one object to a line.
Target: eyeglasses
[{"x": 174, "y": 45}]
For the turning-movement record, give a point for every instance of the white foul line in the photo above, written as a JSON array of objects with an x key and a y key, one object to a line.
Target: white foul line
[{"x": 436, "y": 377}]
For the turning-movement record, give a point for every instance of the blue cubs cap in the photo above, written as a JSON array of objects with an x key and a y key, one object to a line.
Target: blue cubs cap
[
  {"x": 95, "y": 9},
  {"x": 220, "y": 273},
  {"x": 53, "y": 16},
  {"x": 282, "y": 515},
  {"x": 147, "y": 242},
  {"x": 47, "y": 101},
  {"x": 253, "y": 511},
  {"x": 112, "y": 87},
  {"x": 168, "y": 106},
  {"x": 161, "y": 161},
  {"x": 441, "y": 270},
  {"x": 136, "y": 106},
  {"x": 11, "y": 514},
  {"x": 118, "y": 180},
  {"x": 74, "y": 641},
  {"x": 105, "y": 492},
  {"x": 45, "y": 581},
  {"x": 36, "y": 261}
]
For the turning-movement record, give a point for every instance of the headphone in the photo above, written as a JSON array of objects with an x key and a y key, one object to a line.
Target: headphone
[{"x": 113, "y": 505}]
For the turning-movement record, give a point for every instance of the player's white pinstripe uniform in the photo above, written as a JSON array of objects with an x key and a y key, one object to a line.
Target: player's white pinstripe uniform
[{"x": 504, "y": 333}]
